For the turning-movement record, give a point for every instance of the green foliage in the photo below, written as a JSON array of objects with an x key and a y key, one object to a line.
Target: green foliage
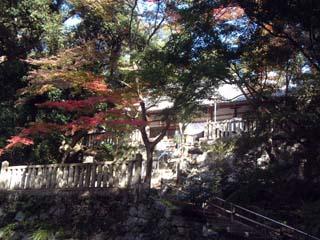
[
  {"x": 54, "y": 38},
  {"x": 28, "y": 27},
  {"x": 7, "y": 122},
  {"x": 106, "y": 152},
  {"x": 287, "y": 21},
  {"x": 55, "y": 94},
  {"x": 220, "y": 147},
  {"x": 46, "y": 151},
  {"x": 7, "y": 232},
  {"x": 42, "y": 234},
  {"x": 23, "y": 24},
  {"x": 181, "y": 72},
  {"x": 119, "y": 150},
  {"x": 12, "y": 77}
]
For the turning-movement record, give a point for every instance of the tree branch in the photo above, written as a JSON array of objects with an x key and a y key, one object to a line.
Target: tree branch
[
  {"x": 285, "y": 35},
  {"x": 131, "y": 21}
]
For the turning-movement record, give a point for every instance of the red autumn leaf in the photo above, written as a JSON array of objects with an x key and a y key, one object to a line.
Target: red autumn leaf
[
  {"x": 75, "y": 105},
  {"x": 40, "y": 128},
  {"x": 86, "y": 123},
  {"x": 97, "y": 86},
  {"x": 17, "y": 140},
  {"x": 79, "y": 105},
  {"x": 65, "y": 71},
  {"x": 227, "y": 13}
]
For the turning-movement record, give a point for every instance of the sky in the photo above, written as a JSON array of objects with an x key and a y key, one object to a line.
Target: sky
[{"x": 72, "y": 21}]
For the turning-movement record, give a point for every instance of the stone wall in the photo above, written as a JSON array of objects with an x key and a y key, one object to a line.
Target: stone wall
[{"x": 92, "y": 215}]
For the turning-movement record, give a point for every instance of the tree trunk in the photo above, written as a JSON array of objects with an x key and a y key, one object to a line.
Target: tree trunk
[
  {"x": 150, "y": 145},
  {"x": 68, "y": 156},
  {"x": 147, "y": 179}
]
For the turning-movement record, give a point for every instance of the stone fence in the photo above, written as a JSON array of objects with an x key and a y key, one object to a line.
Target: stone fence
[{"x": 71, "y": 176}]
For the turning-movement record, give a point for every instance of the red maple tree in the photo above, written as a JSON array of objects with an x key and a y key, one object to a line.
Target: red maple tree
[{"x": 85, "y": 112}]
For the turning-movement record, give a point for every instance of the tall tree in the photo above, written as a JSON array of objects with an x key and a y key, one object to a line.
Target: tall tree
[
  {"x": 295, "y": 22},
  {"x": 24, "y": 25},
  {"x": 27, "y": 27},
  {"x": 123, "y": 30}
]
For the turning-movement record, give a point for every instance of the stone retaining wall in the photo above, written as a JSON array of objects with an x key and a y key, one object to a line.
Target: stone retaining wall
[{"x": 92, "y": 215}]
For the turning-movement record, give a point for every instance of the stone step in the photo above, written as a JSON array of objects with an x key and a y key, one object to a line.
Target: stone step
[
  {"x": 215, "y": 223},
  {"x": 234, "y": 228}
]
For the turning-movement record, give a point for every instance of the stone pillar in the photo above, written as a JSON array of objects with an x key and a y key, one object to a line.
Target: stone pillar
[
  {"x": 214, "y": 130},
  {"x": 137, "y": 170},
  {"x": 4, "y": 166},
  {"x": 3, "y": 174},
  {"x": 210, "y": 128},
  {"x": 137, "y": 177},
  {"x": 207, "y": 130},
  {"x": 129, "y": 173}
]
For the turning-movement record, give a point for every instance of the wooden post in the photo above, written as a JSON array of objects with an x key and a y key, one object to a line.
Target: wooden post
[
  {"x": 33, "y": 177},
  {"x": 11, "y": 178},
  {"x": 76, "y": 176},
  {"x": 44, "y": 178},
  {"x": 93, "y": 175},
  {"x": 178, "y": 172},
  {"x": 99, "y": 177},
  {"x": 59, "y": 177},
  {"x": 65, "y": 176},
  {"x": 49, "y": 177},
  {"x": 54, "y": 177},
  {"x": 87, "y": 176},
  {"x": 109, "y": 174},
  {"x": 38, "y": 178},
  {"x": 81, "y": 176},
  {"x": 23, "y": 178},
  {"x": 232, "y": 212}
]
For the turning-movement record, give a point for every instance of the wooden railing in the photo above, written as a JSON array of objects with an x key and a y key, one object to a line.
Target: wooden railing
[
  {"x": 228, "y": 128},
  {"x": 74, "y": 176},
  {"x": 95, "y": 139}
]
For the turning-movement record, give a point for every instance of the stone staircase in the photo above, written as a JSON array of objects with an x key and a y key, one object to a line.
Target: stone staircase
[
  {"x": 211, "y": 224},
  {"x": 223, "y": 220},
  {"x": 233, "y": 222},
  {"x": 232, "y": 229}
]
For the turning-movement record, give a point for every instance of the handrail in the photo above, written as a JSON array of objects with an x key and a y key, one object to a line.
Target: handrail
[
  {"x": 257, "y": 223},
  {"x": 277, "y": 228},
  {"x": 267, "y": 218},
  {"x": 254, "y": 213}
]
